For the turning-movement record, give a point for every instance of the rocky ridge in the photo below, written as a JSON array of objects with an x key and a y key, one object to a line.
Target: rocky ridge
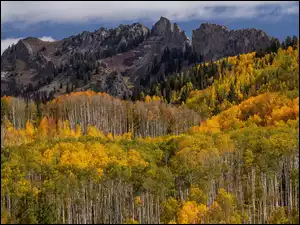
[
  {"x": 118, "y": 61},
  {"x": 214, "y": 41}
]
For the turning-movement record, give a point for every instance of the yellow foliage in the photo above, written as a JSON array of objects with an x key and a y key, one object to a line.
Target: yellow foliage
[
  {"x": 78, "y": 132},
  {"x": 110, "y": 136},
  {"x": 77, "y": 154},
  {"x": 99, "y": 171},
  {"x": 131, "y": 221},
  {"x": 209, "y": 126},
  {"x": 156, "y": 98},
  {"x": 135, "y": 160},
  {"x": 4, "y": 216},
  {"x": 66, "y": 132},
  {"x": 137, "y": 201},
  {"x": 29, "y": 129},
  {"x": 11, "y": 134},
  {"x": 262, "y": 110},
  {"x": 94, "y": 132},
  {"x": 22, "y": 187},
  {"x": 48, "y": 156},
  {"x": 191, "y": 213},
  {"x": 147, "y": 98},
  {"x": 127, "y": 136},
  {"x": 249, "y": 77},
  {"x": 197, "y": 195},
  {"x": 36, "y": 191},
  {"x": 43, "y": 131}
]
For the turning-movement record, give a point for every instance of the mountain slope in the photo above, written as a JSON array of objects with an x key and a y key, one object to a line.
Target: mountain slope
[
  {"x": 118, "y": 61},
  {"x": 240, "y": 166}
]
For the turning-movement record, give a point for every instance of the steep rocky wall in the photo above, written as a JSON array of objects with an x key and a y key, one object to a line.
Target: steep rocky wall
[{"x": 215, "y": 41}]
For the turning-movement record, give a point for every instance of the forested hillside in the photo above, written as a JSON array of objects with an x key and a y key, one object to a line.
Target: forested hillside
[
  {"x": 176, "y": 86},
  {"x": 228, "y": 153}
]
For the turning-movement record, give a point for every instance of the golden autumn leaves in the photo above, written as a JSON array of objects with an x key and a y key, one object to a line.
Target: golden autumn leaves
[
  {"x": 269, "y": 109},
  {"x": 227, "y": 170},
  {"x": 76, "y": 154},
  {"x": 249, "y": 77},
  {"x": 195, "y": 210},
  {"x": 47, "y": 129}
]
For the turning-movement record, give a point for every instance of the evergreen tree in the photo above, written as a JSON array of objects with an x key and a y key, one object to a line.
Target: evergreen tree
[
  {"x": 68, "y": 88},
  {"x": 142, "y": 96}
]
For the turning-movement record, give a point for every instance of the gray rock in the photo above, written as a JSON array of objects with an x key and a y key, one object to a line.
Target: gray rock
[
  {"x": 123, "y": 56},
  {"x": 215, "y": 41},
  {"x": 162, "y": 28}
]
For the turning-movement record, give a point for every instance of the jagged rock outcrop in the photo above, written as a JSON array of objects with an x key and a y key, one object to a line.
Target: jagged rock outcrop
[
  {"x": 181, "y": 38},
  {"x": 108, "y": 60},
  {"x": 119, "y": 61},
  {"x": 106, "y": 42},
  {"x": 215, "y": 41},
  {"x": 36, "y": 60},
  {"x": 162, "y": 28}
]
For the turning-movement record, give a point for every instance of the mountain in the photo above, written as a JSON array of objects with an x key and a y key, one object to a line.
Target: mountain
[
  {"x": 216, "y": 41},
  {"x": 118, "y": 61},
  {"x": 91, "y": 158}
]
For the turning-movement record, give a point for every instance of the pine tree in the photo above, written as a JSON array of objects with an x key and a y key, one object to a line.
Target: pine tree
[{"x": 68, "y": 88}]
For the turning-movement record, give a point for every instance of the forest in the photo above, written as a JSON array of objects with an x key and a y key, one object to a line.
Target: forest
[{"x": 222, "y": 148}]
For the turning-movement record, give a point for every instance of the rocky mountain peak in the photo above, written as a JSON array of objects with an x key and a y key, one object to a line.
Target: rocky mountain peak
[
  {"x": 21, "y": 50},
  {"x": 176, "y": 28},
  {"x": 30, "y": 39},
  {"x": 118, "y": 60},
  {"x": 174, "y": 36},
  {"x": 179, "y": 36},
  {"x": 212, "y": 27},
  {"x": 162, "y": 27},
  {"x": 214, "y": 41}
]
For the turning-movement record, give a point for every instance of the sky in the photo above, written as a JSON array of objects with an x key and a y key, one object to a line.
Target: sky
[{"x": 56, "y": 20}]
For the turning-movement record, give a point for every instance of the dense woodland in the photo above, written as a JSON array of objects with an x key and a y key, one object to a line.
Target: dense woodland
[
  {"x": 176, "y": 84},
  {"x": 225, "y": 153}
]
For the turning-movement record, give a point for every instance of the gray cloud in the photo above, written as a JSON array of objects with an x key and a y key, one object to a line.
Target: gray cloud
[{"x": 30, "y": 12}]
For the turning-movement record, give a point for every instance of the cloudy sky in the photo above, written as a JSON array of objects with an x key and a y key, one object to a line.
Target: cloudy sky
[{"x": 55, "y": 20}]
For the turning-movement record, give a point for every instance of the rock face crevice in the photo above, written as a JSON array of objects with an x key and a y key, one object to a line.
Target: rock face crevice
[{"x": 214, "y": 41}]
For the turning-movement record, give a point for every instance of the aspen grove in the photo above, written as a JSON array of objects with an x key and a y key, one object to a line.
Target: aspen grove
[{"x": 226, "y": 152}]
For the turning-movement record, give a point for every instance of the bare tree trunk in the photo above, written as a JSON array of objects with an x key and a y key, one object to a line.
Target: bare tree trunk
[
  {"x": 253, "y": 193},
  {"x": 264, "y": 180}
]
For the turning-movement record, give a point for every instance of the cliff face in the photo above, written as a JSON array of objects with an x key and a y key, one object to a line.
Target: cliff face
[
  {"x": 119, "y": 61},
  {"x": 114, "y": 59},
  {"x": 105, "y": 42},
  {"x": 215, "y": 41}
]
